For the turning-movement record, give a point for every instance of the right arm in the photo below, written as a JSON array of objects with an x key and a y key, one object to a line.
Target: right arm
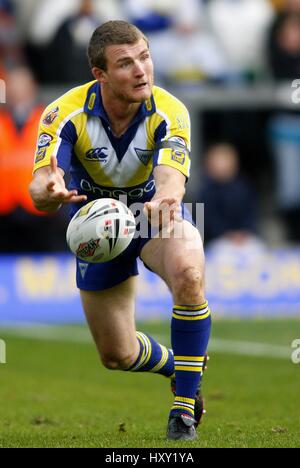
[
  {"x": 56, "y": 139},
  {"x": 48, "y": 190}
]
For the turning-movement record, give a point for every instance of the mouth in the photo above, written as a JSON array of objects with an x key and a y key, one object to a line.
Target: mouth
[{"x": 141, "y": 86}]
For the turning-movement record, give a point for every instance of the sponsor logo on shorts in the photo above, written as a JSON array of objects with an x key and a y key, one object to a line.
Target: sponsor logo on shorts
[
  {"x": 83, "y": 269},
  {"x": 51, "y": 116}
]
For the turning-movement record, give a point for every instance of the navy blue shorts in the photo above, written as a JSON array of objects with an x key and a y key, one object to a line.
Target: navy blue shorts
[{"x": 98, "y": 276}]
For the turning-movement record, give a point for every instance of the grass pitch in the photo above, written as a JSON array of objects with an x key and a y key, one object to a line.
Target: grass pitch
[{"x": 55, "y": 393}]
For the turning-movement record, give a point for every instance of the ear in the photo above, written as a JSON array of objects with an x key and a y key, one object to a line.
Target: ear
[{"x": 99, "y": 75}]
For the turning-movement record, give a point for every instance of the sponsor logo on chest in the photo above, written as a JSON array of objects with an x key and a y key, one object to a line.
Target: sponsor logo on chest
[{"x": 98, "y": 155}]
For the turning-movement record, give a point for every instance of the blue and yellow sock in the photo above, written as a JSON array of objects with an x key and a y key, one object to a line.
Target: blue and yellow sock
[
  {"x": 153, "y": 357},
  {"x": 190, "y": 331}
]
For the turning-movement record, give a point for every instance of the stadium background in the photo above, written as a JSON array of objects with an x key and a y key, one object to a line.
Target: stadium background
[{"x": 234, "y": 64}]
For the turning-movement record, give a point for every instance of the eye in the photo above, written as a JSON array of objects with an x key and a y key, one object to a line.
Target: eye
[{"x": 125, "y": 65}]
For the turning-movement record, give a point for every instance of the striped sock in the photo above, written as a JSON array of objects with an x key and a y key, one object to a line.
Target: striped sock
[
  {"x": 190, "y": 330},
  {"x": 153, "y": 357}
]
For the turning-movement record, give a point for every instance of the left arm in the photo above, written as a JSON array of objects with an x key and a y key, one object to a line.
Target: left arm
[
  {"x": 169, "y": 183},
  {"x": 171, "y": 162},
  {"x": 170, "y": 189}
]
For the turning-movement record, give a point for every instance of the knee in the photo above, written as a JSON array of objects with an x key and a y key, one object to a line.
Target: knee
[
  {"x": 118, "y": 361},
  {"x": 188, "y": 286}
]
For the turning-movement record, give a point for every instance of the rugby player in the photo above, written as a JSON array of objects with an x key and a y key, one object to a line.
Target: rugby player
[{"x": 121, "y": 134}]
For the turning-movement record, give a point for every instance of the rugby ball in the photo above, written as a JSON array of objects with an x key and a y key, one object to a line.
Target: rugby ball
[{"x": 100, "y": 230}]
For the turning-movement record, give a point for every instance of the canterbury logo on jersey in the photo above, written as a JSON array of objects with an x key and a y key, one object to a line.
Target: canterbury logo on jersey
[{"x": 97, "y": 154}]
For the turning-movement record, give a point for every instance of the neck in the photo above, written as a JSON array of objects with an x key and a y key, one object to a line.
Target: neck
[{"x": 120, "y": 112}]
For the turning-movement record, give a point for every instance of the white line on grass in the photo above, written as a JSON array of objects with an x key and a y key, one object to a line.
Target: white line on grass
[
  {"x": 76, "y": 334},
  {"x": 65, "y": 333}
]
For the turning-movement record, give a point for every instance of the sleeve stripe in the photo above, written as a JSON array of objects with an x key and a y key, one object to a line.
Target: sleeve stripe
[
  {"x": 66, "y": 119},
  {"x": 168, "y": 133},
  {"x": 61, "y": 126}
]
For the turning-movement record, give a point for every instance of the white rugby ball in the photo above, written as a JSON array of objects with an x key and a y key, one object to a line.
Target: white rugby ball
[{"x": 100, "y": 230}]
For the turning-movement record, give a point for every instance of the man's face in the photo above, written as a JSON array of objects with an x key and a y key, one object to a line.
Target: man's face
[{"x": 129, "y": 72}]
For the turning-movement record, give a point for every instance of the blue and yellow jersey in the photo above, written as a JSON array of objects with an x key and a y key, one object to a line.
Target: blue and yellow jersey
[{"x": 75, "y": 128}]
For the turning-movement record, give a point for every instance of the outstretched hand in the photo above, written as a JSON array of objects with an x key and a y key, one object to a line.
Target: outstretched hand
[
  {"x": 57, "y": 191},
  {"x": 163, "y": 212}
]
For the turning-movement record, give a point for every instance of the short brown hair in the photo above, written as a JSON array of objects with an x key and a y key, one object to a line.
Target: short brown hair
[{"x": 111, "y": 33}]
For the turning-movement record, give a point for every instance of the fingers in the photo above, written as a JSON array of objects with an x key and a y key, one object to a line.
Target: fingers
[
  {"x": 166, "y": 205},
  {"x": 53, "y": 176},
  {"x": 64, "y": 195},
  {"x": 77, "y": 199},
  {"x": 51, "y": 186},
  {"x": 56, "y": 187},
  {"x": 71, "y": 197},
  {"x": 147, "y": 209},
  {"x": 163, "y": 213},
  {"x": 53, "y": 164},
  {"x": 161, "y": 201},
  {"x": 169, "y": 201}
]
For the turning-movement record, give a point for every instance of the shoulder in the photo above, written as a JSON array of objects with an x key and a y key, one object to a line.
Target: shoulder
[
  {"x": 66, "y": 106},
  {"x": 166, "y": 103}
]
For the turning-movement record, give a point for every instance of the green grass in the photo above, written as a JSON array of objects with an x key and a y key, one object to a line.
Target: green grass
[{"x": 56, "y": 394}]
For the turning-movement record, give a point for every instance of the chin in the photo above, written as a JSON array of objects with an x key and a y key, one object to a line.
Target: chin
[{"x": 141, "y": 96}]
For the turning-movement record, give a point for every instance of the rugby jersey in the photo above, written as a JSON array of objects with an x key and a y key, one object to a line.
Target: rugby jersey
[{"x": 76, "y": 129}]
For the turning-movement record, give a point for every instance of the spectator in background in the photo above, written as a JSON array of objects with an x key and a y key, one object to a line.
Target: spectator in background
[
  {"x": 230, "y": 211},
  {"x": 284, "y": 44},
  {"x": 152, "y": 16},
  {"x": 69, "y": 45},
  {"x": 284, "y": 128},
  {"x": 182, "y": 47},
  {"x": 241, "y": 26},
  {"x": 22, "y": 226},
  {"x": 10, "y": 47},
  {"x": 277, "y": 4},
  {"x": 58, "y": 35}
]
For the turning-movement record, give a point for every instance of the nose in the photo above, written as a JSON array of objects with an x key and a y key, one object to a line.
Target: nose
[{"x": 138, "y": 69}]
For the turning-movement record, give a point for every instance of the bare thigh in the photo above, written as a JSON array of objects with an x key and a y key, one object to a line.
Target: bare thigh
[
  {"x": 180, "y": 263},
  {"x": 110, "y": 315}
]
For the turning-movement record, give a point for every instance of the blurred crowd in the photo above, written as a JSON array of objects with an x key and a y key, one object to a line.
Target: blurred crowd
[{"x": 198, "y": 42}]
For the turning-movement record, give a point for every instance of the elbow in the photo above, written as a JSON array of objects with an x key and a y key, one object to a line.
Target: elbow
[
  {"x": 32, "y": 193},
  {"x": 31, "y": 190}
]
